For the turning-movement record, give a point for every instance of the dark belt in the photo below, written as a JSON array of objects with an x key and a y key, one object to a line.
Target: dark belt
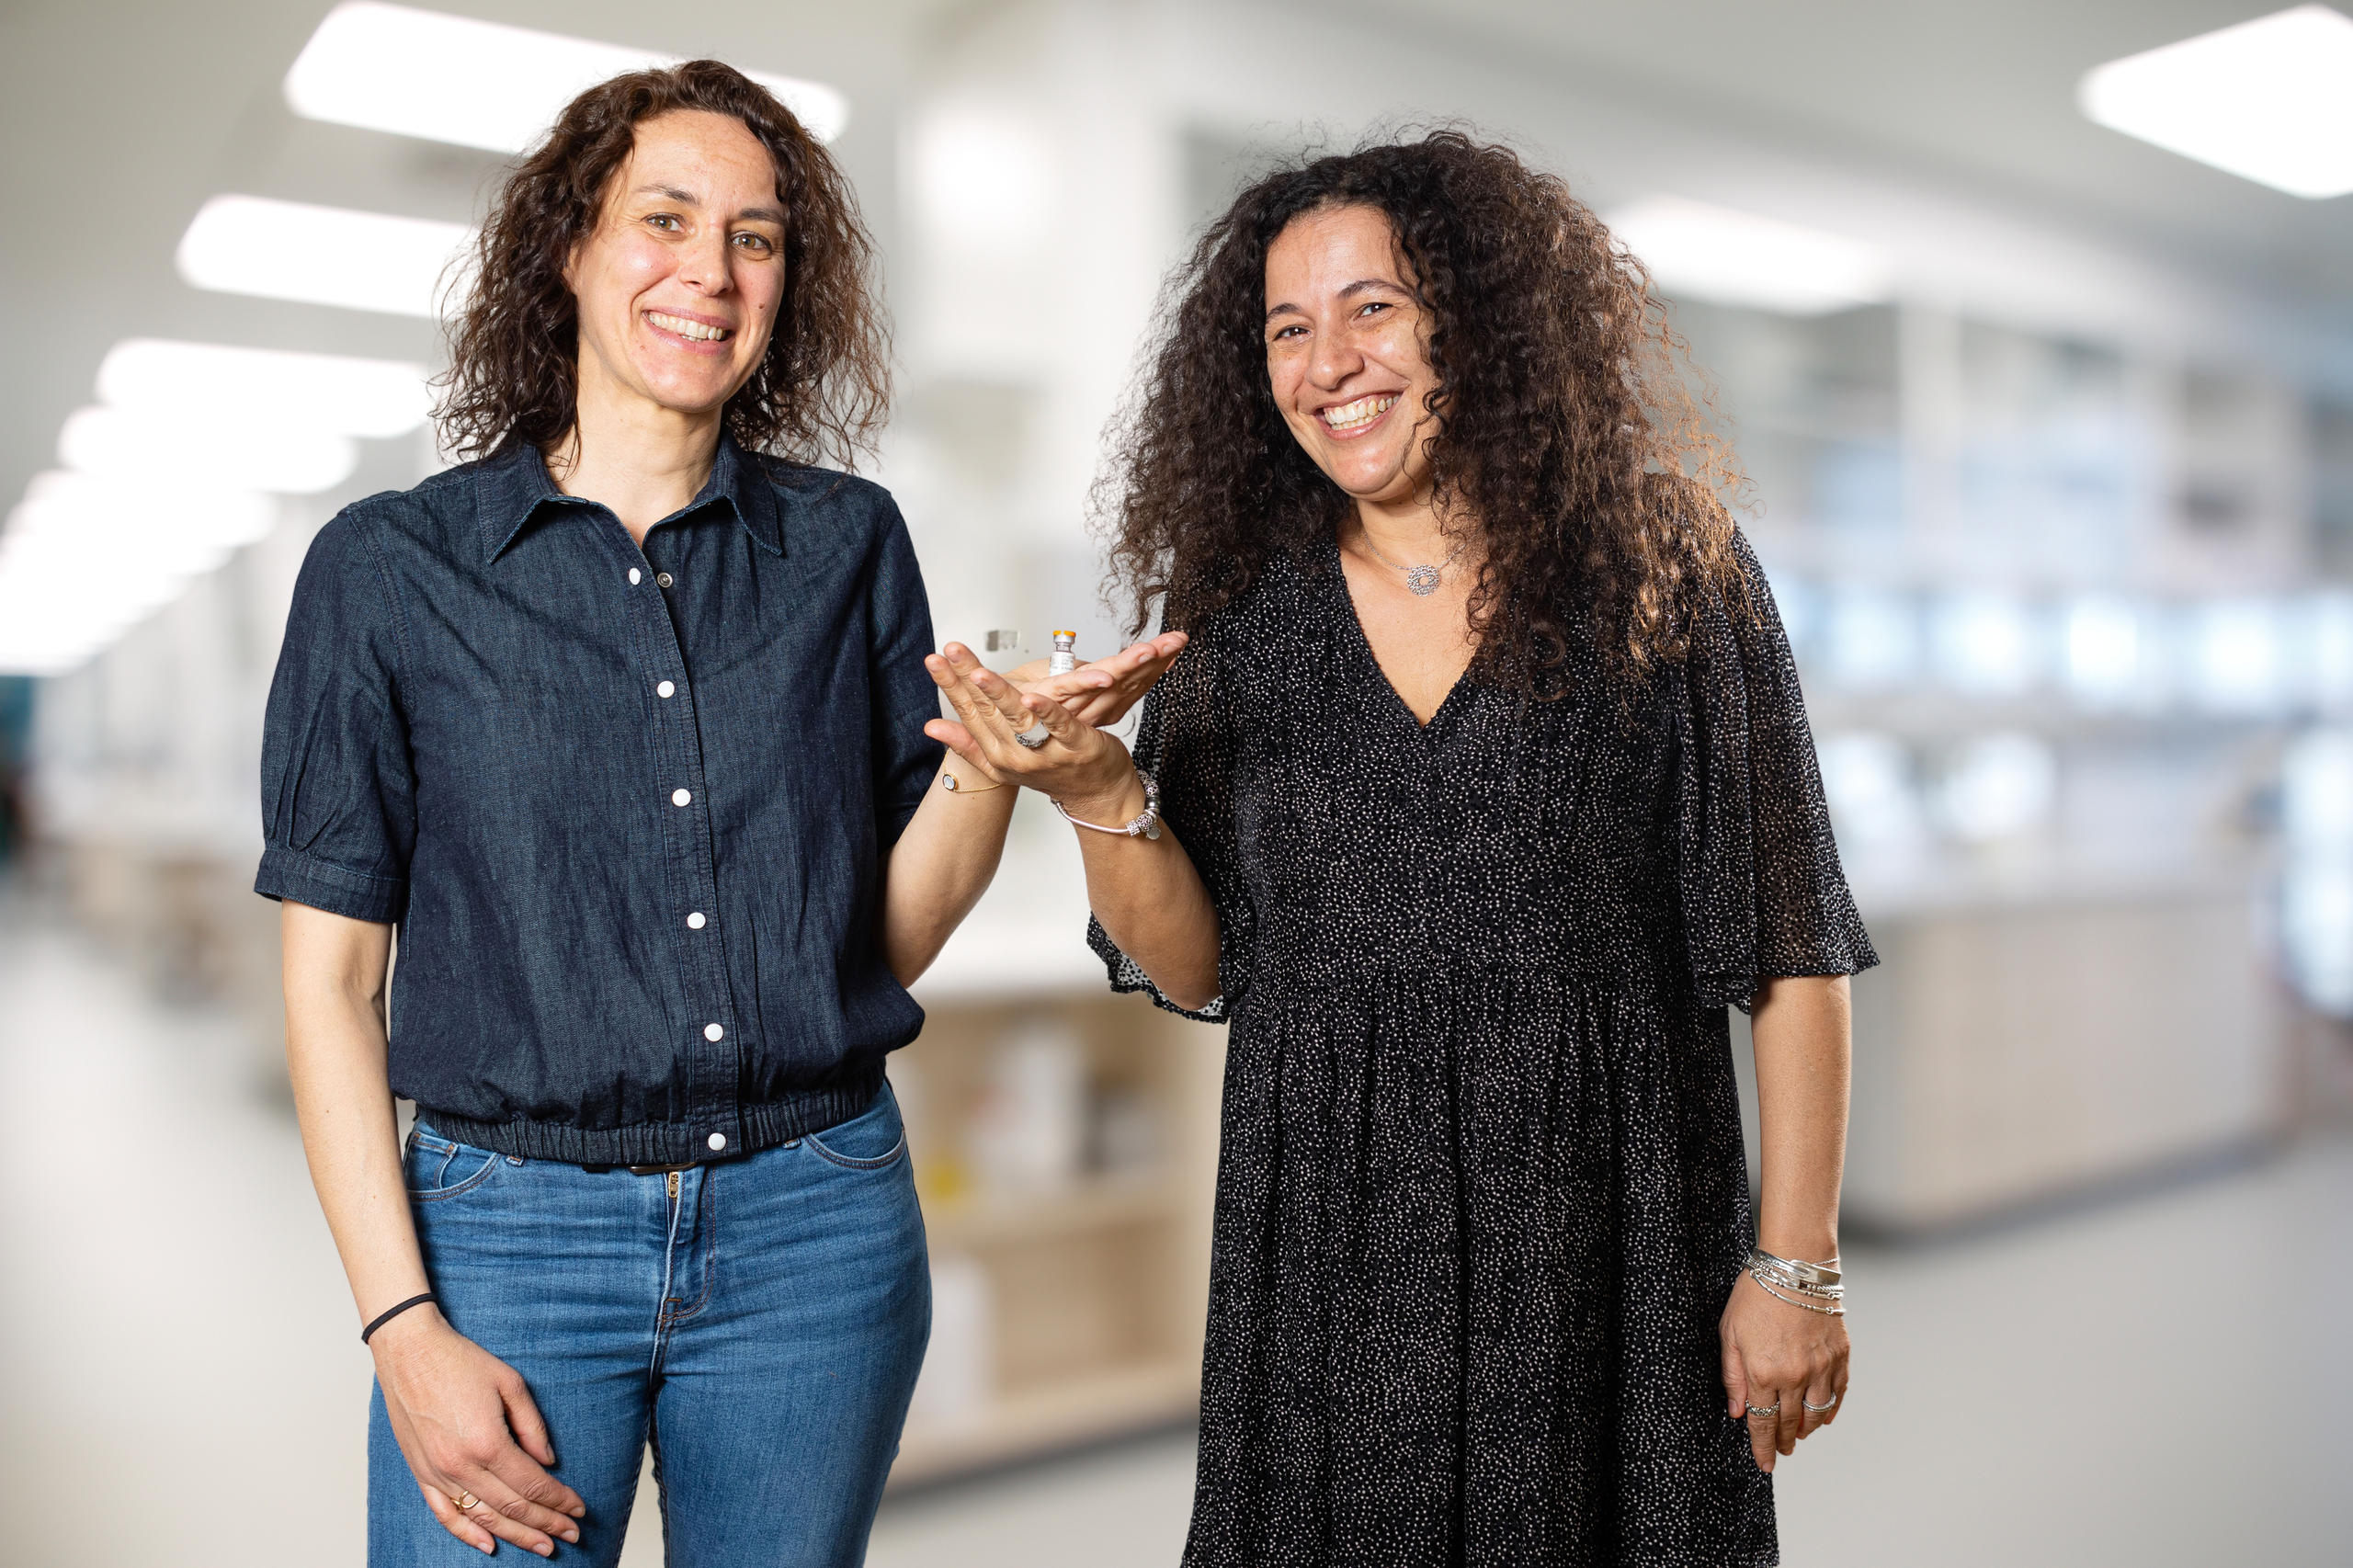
[{"x": 644, "y": 1170}]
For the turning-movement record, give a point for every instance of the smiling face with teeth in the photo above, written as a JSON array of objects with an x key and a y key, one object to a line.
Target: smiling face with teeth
[
  {"x": 678, "y": 283},
  {"x": 1347, "y": 353}
]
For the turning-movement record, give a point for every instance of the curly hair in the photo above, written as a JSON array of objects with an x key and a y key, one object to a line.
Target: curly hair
[
  {"x": 1564, "y": 426},
  {"x": 823, "y": 388}
]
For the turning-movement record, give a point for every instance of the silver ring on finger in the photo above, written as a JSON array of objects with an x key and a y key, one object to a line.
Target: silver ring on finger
[
  {"x": 1034, "y": 736},
  {"x": 1821, "y": 1409},
  {"x": 1765, "y": 1410}
]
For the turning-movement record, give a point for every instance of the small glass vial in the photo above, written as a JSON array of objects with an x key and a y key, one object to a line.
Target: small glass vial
[{"x": 1065, "y": 657}]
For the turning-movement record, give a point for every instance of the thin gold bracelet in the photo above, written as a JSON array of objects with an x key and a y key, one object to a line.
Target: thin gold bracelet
[{"x": 955, "y": 786}]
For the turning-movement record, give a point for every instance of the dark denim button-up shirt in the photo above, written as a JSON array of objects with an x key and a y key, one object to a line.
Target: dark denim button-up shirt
[{"x": 628, "y": 807}]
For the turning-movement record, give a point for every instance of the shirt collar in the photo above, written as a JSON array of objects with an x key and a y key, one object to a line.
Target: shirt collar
[{"x": 513, "y": 485}]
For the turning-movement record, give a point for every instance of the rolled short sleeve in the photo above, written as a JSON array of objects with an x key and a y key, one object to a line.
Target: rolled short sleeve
[
  {"x": 904, "y": 759},
  {"x": 1760, "y": 886},
  {"x": 1185, "y": 742},
  {"x": 338, "y": 787}
]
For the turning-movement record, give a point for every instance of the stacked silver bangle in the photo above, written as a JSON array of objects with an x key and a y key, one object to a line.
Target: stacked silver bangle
[
  {"x": 1145, "y": 824},
  {"x": 1814, "y": 1285}
]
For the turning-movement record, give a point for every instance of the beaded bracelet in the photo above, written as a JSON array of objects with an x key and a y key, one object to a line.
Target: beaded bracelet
[{"x": 1145, "y": 824}]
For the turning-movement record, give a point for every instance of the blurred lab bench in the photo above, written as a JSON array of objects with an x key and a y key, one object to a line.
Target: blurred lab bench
[{"x": 2030, "y": 1037}]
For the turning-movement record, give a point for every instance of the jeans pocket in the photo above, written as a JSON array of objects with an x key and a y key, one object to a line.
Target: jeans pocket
[
  {"x": 873, "y": 1140},
  {"x": 434, "y": 1168}
]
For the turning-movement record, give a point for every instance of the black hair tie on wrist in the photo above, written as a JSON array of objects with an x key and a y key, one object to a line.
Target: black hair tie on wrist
[{"x": 389, "y": 1313}]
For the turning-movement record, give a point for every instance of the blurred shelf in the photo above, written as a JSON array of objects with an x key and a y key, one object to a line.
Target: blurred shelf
[
  {"x": 1925, "y": 711},
  {"x": 1022, "y": 1424},
  {"x": 1956, "y": 885},
  {"x": 1068, "y": 1307},
  {"x": 1080, "y": 1210},
  {"x": 1830, "y": 427}
]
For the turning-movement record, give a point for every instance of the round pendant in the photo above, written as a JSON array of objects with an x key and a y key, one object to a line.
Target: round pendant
[{"x": 1422, "y": 580}]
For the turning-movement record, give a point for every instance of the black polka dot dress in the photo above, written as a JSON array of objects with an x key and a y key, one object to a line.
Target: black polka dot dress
[{"x": 1482, "y": 1193}]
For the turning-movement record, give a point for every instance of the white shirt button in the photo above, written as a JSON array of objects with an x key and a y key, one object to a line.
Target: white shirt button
[
  {"x": 694, "y": 921},
  {"x": 717, "y": 1141},
  {"x": 663, "y": 578},
  {"x": 681, "y": 797},
  {"x": 713, "y": 1031},
  {"x": 635, "y": 576},
  {"x": 665, "y": 689}
]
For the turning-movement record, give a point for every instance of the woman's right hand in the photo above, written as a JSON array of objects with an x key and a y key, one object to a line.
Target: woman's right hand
[
  {"x": 468, "y": 1427},
  {"x": 1085, "y": 768},
  {"x": 1102, "y": 691}
]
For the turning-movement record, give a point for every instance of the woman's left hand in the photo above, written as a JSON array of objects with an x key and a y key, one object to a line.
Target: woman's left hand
[
  {"x": 1784, "y": 1359},
  {"x": 1074, "y": 762}
]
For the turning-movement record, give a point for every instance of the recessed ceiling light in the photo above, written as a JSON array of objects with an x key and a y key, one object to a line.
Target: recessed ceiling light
[
  {"x": 205, "y": 517},
  {"x": 479, "y": 84},
  {"x": 82, "y": 559},
  {"x": 348, "y": 396},
  {"x": 92, "y": 549},
  {"x": 222, "y": 445},
  {"x": 325, "y": 256},
  {"x": 1737, "y": 258},
  {"x": 2269, "y": 100}
]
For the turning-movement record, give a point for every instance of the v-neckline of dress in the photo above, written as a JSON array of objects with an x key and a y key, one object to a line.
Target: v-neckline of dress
[{"x": 1364, "y": 646}]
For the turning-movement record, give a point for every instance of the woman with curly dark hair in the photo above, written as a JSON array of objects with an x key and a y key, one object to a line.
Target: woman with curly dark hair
[
  {"x": 621, "y": 724},
  {"x": 1482, "y": 789}
]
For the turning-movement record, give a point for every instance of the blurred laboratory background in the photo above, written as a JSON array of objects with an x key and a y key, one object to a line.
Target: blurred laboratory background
[{"x": 2032, "y": 325}]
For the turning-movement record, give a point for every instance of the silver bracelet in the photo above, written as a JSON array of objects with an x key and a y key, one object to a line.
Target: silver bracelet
[
  {"x": 1146, "y": 825},
  {"x": 1836, "y": 1309},
  {"x": 1819, "y": 1292},
  {"x": 1770, "y": 1271},
  {"x": 1803, "y": 1273}
]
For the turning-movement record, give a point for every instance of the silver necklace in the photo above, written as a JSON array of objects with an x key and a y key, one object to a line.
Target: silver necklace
[{"x": 1422, "y": 580}]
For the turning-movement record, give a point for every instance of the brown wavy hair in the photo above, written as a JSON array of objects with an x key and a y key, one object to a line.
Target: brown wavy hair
[
  {"x": 1565, "y": 427},
  {"x": 824, "y": 389}
]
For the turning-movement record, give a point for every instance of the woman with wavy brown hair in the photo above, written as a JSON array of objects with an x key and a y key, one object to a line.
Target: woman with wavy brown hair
[
  {"x": 622, "y": 724},
  {"x": 1483, "y": 788}
]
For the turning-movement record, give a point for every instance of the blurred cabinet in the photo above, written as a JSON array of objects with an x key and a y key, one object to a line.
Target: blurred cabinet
[{"x": 2014, "y": 1048}]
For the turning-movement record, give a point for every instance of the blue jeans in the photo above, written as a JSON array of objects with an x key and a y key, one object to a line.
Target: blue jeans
[{"x": 760, "y": 1320}]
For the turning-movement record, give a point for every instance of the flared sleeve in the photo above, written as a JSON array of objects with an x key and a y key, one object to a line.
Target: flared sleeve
[
  {"x": 1185, "y": 743},
  {"x": 1761, "y": 890}
]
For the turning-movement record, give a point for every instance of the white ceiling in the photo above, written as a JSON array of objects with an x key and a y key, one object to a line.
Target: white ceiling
[
  {"x": 1977, "y": 95},
  {"x": 121, "y": 118}
]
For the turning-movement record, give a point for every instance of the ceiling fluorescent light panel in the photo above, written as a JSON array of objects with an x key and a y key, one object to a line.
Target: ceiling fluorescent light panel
[
  {"x": 2269, "y": 100},
  {"x": 325, "y": 255},
  {"x": 1697, "y": 251},
  {"x": 332, "y": 392},
  {"x": 479, "y": 84},
  {"x": 235, "y": 451},
  {"x": 95, "y": 511}
]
